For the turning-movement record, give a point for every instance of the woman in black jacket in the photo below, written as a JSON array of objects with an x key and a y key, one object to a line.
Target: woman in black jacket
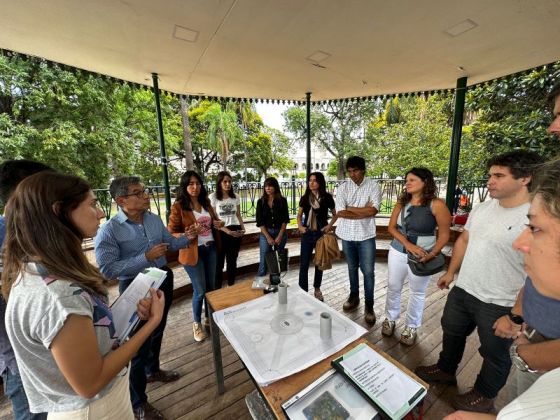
[{"x": 272, "y": 219}]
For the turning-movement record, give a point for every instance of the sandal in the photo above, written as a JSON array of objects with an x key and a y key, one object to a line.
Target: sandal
[{"x": 319, "y": 295}]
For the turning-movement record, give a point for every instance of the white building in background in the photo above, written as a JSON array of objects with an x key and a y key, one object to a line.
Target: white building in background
[{"x": 320, "y": 159}]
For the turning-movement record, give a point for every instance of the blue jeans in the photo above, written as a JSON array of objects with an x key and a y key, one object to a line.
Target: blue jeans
[
  {"x": 264, "y": 247},
  {"x": 461, "y": 315},
  {"x": 361, "y": 254},
  {"x": 13, "y": 388},
  {"x": 202, "y": 276},
  {"x": 146, "y": 361},
  {"x": 308, "y": 242}
]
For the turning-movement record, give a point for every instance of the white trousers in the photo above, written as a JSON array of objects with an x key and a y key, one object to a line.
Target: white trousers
[
  {"x": 114, "y": 405},
  {"x": 398, "y": 272}
]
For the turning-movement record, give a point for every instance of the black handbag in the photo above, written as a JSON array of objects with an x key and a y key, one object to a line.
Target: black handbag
[{"x": 433, "y": 266}]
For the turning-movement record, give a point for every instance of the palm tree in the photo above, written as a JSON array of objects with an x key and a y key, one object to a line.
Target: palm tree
[{"x": 223, "y": 130}]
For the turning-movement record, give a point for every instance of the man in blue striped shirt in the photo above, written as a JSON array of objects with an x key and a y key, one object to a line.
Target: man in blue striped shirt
[{"x": 131, "y": 241}]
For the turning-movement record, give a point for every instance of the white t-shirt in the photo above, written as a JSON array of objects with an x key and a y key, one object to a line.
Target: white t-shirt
[
  {"x": 205, "y": 221},
  {"x": 492, "y": 271},
  {"x": 226, "y": 209},
  {"x": 349, "y": 194},
  {"x": 539, "y": 402},
  {"x": 38, "y": 307}
]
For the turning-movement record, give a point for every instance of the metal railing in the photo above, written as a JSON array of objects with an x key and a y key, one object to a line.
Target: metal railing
[{"x": 249, "y": 193}]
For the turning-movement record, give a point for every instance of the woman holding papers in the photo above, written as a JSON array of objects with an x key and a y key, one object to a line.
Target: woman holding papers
[
  {"x": 422, "y": 214},
  {"x": 57, "y": 317},
  {"x": 193, "y": 214}
]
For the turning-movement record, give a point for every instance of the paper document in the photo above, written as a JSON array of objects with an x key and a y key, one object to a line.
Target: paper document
[
  {"x": 393, "y": 390},
  {"x": 277, "y": 340},
  {"x": 125, "y": 317}
]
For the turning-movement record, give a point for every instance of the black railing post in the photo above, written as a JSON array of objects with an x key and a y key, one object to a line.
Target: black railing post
[
  {"x": 294, "y": 208},
  {"x": 460, "y": 93},
  {"x": 162, "y": 149},
  {"x": 308, "y": 132}
]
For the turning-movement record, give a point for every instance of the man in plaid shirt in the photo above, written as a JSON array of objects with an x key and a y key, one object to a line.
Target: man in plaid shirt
[{"x": 357, "y": 203}]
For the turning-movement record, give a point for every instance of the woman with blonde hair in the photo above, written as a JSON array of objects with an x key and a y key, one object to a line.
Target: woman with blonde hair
[{"x": 58, "y": 319}]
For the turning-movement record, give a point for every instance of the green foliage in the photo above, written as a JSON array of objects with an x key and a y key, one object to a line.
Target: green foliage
[
  {"x": 336, "y": 127},
  {"x": 98, "y": 128},
  {"x": 514, "y": 112},
  {"x": 80, "y": 123},
  {"x": 222, "y": 130},
  {"x": 410, "y": 132}
]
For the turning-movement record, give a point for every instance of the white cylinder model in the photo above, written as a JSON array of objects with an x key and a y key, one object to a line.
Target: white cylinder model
[
  {"x": 325, "y": 326},
  {"x": 283, "y": 294}
]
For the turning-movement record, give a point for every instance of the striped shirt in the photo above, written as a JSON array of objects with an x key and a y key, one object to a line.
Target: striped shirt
[
  {"x": 539, "y": 402},
  {"x": 121, "y": 245},
  {"x": 350, "y": 194}
]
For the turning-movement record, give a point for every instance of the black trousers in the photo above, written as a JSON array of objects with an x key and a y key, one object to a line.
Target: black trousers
[
  {"x": 461, "y": 315},
  {"x": 146, "y": 360},
  {"x": 228, "y": 253}
]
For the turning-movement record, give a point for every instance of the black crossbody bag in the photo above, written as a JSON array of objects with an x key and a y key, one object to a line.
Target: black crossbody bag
[{"x": 433, "y": 266}]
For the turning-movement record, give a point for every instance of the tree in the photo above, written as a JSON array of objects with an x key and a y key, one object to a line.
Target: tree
[
  {"x": 222, "y": 129},
  {"x": 417, "y": 132},
  {"x": 337, "y": 127},
  {"x": 81, "y": 123},
  {"x": 514, "y": 112}
]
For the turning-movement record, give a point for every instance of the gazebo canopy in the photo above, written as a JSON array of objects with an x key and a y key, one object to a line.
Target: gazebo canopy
[{"x": 282, "y": 49}]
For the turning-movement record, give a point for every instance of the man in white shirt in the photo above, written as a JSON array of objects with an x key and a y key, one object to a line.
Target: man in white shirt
[
  {"x": 357, "y": 203},
  {"x": 491, "y": 273}
]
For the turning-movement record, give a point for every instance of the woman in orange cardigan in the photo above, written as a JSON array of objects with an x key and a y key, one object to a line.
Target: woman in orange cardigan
[{"x": 193, "y": 215}]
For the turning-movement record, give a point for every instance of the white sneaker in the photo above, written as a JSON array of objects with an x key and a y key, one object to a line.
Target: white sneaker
[
  {"x": 198, "y": 332},
  {"x": 408, "y": 336},
  {"x": 387, "y": 328}
]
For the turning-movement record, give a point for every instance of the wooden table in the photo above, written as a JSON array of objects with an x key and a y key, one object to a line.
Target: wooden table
[
  {"x": 280, "y": 391},
  {"x": 222, "y": 299}
]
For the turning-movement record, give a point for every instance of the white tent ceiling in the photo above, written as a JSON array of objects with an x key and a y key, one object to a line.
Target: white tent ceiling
[{"x": 283, "y": 48}]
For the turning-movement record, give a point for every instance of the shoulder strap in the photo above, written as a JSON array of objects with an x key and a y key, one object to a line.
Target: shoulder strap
[{"x": 403, "y": 225}]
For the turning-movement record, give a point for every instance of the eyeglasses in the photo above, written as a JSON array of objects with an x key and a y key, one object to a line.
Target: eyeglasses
[{"x": 139, "y": 194}]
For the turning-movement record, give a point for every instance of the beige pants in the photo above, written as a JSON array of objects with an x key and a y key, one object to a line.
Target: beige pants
[{"x": 114, "y": 405}]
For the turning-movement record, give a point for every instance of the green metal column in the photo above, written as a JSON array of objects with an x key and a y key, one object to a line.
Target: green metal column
[
  {"x": 308, "y": 130},
  {"x": 460, "y": 92},
  {"x": 162, "y": 149}
]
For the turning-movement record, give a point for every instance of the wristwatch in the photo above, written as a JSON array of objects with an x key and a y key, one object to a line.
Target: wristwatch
[
  {"x": 516, "y": 319},
  {"x": 518, "y": 361}
]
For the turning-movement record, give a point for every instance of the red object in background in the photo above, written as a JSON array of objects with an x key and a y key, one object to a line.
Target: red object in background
[{"x": 460, "y": 219}]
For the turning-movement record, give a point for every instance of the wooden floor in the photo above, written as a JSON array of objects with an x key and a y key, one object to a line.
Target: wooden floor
[{"x": 194, "y": 395}]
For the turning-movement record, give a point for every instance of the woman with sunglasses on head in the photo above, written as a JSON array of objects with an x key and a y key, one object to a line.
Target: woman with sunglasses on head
[
  {"x": 426, "y": 221},
  {"x": 272, "y": 218},
  {"x": 192, "y": 214},
  {"x": 312, "y": 218},
  {"x": 57, "y": 318},
  {"x": 226, "y": 204}
]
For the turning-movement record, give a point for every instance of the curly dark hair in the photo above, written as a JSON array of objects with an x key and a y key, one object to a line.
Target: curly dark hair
[
  {"x": 429, "y": 191},
  {"x": 183, "y": 196},
  {"x": 521, "y": 163}
]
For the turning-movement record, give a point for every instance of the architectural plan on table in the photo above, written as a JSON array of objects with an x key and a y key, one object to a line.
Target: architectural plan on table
[{"x": 275, "y": 341}]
